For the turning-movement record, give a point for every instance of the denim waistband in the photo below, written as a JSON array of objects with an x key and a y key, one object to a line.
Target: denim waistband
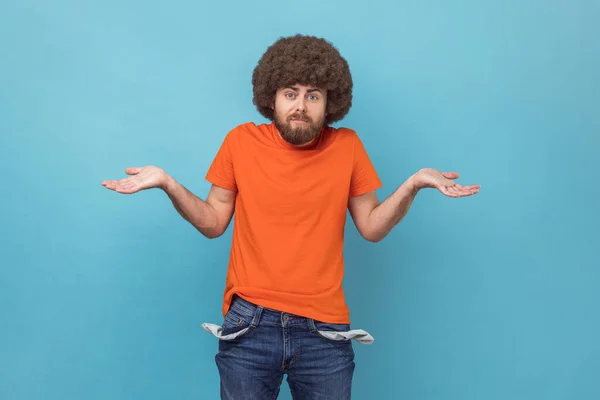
[{"x": 259, "y": 313}]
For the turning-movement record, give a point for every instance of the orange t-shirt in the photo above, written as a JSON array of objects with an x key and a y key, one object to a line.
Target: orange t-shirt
[{"x": 289, "y": 219}]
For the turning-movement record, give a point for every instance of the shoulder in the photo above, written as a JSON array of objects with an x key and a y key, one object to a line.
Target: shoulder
[
  {"x": 342, "y": 136},
  {"x": 247, "y": 129},
  {"x": 343, "y": 131},
  {"x": 243, "y": 134}
]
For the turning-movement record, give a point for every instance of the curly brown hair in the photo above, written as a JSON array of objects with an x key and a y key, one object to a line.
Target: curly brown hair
[{"x": 303, "y": 60}]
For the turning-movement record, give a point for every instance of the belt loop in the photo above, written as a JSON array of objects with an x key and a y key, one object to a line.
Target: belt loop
[
  {"x": 311, "y": 325},
  {"x": 257, "y": 314}
]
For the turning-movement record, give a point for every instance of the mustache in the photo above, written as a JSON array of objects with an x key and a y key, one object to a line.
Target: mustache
[{"x": 300, "y": 117}]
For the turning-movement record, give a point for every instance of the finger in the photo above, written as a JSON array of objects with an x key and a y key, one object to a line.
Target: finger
[
  {"x": 132, "y": 182},
  {"x": 469, "y": 192},
  {"x": 132, "y": 170},
  {"x": 456, "y": 192},
  {"x": 126, "y": 182},
  {"x": 109, "y": 184},
  {"x": 470, "y": 189},
  {"x": 129, "y": 180},
  {"x": 127, "y": 190},
  {"x": 448, "y": 191},
  {"x": 451, "y": 175},
  {"x": 116, "y": 184},
  {"x": 113, "y": 182},
  {"x": 112, "y": 185},
  {"x": 462, "y": 191},
  {"x": 128, "y": 186},
  {"x": 467, "y": 188},
  {"x": 444, "y": 188}
]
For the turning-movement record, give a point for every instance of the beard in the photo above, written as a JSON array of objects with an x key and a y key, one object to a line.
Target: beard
[{"x": 301, "y": 134}]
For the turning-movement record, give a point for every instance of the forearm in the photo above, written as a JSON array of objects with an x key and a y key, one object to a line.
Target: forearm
[
  {"x": 392, "y": 210},
  {"x": 193, "y": 209}
]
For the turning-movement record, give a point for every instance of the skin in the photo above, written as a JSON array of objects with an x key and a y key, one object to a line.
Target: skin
[
  {"x": 300, "y": 113},
  {"x": 297, "y": 108}
]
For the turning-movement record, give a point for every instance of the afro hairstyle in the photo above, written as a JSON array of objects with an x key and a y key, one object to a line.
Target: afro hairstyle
[{"x": 303, "y": 60}]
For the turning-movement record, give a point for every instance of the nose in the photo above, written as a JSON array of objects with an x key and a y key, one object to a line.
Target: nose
[{"x": 301, "y": 105}]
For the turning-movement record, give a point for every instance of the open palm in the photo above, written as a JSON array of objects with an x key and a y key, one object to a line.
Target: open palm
[
  {"x": 444, "y": 182},
  {"x": 140, "y": 179}
]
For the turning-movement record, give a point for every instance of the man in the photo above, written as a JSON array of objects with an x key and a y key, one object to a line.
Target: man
[{"x": 290, "y": 183}]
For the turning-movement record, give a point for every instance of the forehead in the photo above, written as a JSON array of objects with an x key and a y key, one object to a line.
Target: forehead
[{"x": 301, "y": 87}]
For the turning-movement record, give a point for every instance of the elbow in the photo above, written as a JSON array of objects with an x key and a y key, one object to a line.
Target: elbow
[
  {"x": 210, "y": 226},
  {"x": 373, "y": 237},
  {"x": 211, "y": 235},
  {"x": 211, "y": 232}
]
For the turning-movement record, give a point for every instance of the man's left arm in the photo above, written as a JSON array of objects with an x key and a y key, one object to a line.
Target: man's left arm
[{"x": 375, "y": 220}]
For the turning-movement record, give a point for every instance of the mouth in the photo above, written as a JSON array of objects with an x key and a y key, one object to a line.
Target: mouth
[{"x": 299, "y": 121}]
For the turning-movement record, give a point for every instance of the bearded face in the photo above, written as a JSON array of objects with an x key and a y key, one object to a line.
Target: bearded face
[{"x": 300, "y": 113}]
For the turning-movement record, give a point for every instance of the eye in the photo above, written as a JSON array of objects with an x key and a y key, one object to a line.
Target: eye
[
  {"x": 313, "y": 97},
  {"x": 290, "y": 95}
]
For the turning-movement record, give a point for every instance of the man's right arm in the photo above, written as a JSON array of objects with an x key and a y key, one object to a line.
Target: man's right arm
[{"x": 210, "y": 217}]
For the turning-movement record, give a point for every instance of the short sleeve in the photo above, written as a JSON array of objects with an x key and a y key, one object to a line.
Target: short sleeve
[
  {"x": 221, "y": 171},
  {"x": 364, "y": 177}
]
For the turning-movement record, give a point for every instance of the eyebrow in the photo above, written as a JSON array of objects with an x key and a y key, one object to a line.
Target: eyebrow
[{"x": 308, "y": 91}]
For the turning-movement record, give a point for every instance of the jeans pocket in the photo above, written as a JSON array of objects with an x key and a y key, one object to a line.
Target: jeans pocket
[
  {"x": 234, "y": 326},
  {"x": 341, "y": 332}
]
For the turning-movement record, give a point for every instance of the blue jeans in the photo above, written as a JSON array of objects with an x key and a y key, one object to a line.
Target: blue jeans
[{"x": 273, "y": 343}]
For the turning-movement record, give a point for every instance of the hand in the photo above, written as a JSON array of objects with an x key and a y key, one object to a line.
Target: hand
[
  {"x": 431, "y": 178},
  {"x": 141, "y": 179}
]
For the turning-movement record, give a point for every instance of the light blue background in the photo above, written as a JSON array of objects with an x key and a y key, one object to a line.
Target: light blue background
[{"x": 489, "y": 297}]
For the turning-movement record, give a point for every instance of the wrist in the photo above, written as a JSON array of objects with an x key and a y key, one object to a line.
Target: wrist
[
  {"x": 167, "y": 183},
  {"x": 414, "y": 184}
]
